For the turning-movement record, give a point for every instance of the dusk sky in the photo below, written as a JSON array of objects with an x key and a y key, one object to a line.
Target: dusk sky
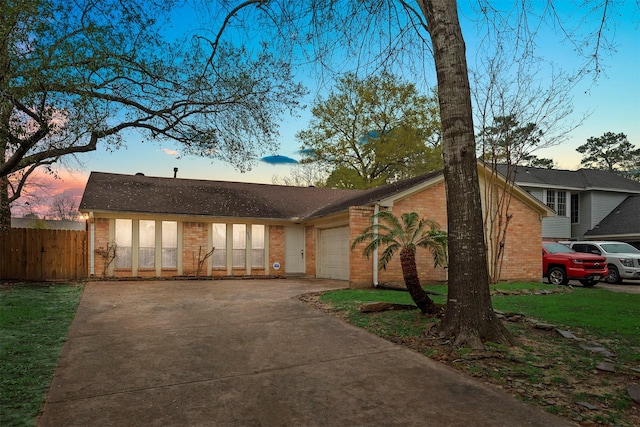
[{"x": 613, "y": 105}]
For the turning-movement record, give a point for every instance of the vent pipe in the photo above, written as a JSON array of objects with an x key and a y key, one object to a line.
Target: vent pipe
[{"x": 175, "y": 172}]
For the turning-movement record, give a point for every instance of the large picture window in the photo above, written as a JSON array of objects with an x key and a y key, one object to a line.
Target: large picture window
[
  {"x": 123, "y": 240},
  {"x": 169, "y": 244},
  {"x": 239, "y": 245},
  {"x": 257, "y": 246},
  {"x": 147, "y": 244},
  {"x": 219, "y": 241}
]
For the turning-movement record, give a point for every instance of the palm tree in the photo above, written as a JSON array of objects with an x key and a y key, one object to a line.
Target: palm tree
[{"x": 406, "y": 234}]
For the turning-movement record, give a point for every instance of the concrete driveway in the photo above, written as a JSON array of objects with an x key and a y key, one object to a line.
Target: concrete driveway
[
  {"x": 245, "y": 353},
  {"x": 627, "y": 286}
]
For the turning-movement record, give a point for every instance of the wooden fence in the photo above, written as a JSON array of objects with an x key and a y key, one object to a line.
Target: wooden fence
[{"x": 40, "y": 254}]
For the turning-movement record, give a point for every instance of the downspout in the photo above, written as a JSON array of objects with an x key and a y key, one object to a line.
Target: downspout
[
  {"x": 92, "y": 244},
  {"x": 376, "y": 209}
]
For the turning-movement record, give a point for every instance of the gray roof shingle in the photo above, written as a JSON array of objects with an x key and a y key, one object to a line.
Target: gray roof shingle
[
  {"x": 623, "y": 220},
  {"x": 585, "y": 179},
  {"x": 177, "y": 196}
]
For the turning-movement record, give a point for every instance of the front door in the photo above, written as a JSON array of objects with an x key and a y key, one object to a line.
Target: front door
[{"x": 294, "y": 250}]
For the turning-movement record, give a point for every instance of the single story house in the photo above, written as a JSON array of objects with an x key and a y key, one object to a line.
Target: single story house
[
  {"x": 49, "y": 224},
  {"x": 590, "y": 204},
  {"x": 142, "y": 226}
]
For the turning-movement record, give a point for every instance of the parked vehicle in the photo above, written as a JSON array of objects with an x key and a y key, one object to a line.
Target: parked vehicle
[
  {"x": 561, "y": 264},
  {"x": 623, "y": 259}
]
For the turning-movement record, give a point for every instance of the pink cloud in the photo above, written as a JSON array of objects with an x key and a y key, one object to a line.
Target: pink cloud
[
  {"x": 173, "y": 153},
  {"x": 37, "y": 198}
]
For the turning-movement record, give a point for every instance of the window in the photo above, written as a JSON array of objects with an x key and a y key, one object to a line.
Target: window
[
  {"x": 557, "y": 200},
  {"x": 219, "y": 241},
  {"x": 147, "y": 244},
  {"x": 239, "y": 245},
  {"x": 257, "y": 246},
  {"x": 169, "y": 244},
  {"x": 561, "y": 203},
  {"x": 123, "y": 243},
  {"x": 551, "y": 199},
  {"x": 575, "y": 209}
]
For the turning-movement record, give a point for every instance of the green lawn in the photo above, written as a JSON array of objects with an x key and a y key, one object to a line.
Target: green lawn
[
  {"x": 598, "y": 313},
  {"x": 34, "y": 321}
]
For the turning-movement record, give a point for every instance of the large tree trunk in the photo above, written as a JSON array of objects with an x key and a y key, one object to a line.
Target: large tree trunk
[
  {"x": 412, "y": 281},
  {"x": 5, "y": 207},
  {"x": 469, "y": 315}
]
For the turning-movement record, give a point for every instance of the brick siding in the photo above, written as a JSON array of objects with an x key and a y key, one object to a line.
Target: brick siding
[
  {"x": 194, "y": 242},
  {"x": 361, "y": 267},
  {"x": 276, "y": 249}
]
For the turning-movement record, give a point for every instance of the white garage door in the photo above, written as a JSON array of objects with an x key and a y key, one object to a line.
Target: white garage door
[{"x": 333, "y": 251}]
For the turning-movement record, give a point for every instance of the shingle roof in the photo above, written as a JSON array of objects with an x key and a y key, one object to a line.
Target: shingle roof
[
  {"x": 143, "y": 194},
  {"x": 585, "y": 179},
  {"x": 623, "y": 220}
]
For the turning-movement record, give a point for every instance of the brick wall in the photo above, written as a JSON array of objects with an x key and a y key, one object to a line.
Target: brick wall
[
  {"x": 429, "y": 203},
  {"x": 522, "y": 259},
  {"x": 101, "y": 234},
  {"x": 276, "y": 249},
  {"x": 361, "y": 267},
  {"x": 194, "y": 239},
  {"x": 523, "y": 247},
  {"x": 310, "y": 251}
]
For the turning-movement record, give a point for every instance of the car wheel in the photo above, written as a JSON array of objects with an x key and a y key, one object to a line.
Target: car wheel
[
  {"x": 557, "y": 276},
  {"x": 588, "y": 283},
  {"x": 614, "y": 275}
]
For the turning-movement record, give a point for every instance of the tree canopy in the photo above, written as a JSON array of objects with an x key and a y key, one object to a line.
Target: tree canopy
[
  {"x": 612, "y": 152},
  {"x": 75, "y": 74},
  {"x": 372, "y": 131}
]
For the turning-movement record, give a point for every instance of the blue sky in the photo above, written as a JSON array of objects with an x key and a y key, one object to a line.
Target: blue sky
[{"x": 613, "y": 104}]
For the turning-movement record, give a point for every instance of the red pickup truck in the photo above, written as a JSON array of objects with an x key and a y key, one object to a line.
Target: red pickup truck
[{"x": 560, "y": 264}]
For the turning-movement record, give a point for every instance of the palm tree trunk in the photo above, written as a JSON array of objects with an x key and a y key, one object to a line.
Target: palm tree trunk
[{"x": 412, "y": 282}]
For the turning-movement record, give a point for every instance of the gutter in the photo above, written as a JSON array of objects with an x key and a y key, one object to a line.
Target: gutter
[
  {"x": 376, "y": 209},
  {"x": 92, "y": 244}
]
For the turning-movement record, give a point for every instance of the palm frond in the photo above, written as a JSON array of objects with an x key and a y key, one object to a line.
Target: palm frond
[{"x": 408, "y": 231}]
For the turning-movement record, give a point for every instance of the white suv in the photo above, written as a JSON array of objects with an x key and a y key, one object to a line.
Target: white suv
[{"x": 623, "y": 259}]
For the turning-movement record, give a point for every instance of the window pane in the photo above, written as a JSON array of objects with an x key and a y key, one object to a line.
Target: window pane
[
  {"x": 257, "y": 236},
  {"x": 147, "y": 245},
  {"x": 551, "y": 199},
  {"x": 257, "y": 246},
  {"x": 575, "y": 210},
  {"x": 170, "y": 257},
  {"x": 239, "y": 245},
  {"x": 123, "y": 232},
  {"x": 123, "y": 243},
  {"x": 219, "y": 240},
  {"x": 562, "y": 203},
  {"x": 169, "y": 244}
]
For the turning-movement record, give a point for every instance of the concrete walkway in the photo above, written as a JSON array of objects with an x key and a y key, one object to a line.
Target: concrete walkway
[{"x": 245, "y": 353}]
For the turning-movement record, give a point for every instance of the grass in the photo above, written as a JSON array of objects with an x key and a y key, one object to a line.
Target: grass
[
  {"x": 609, "y": 316},
  {"x": 34, "y": 321},
  {"x": 545, "y": 369}
]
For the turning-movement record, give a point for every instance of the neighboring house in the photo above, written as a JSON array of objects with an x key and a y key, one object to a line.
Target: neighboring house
[
  {"x": 163, "y": 227},
  {"x": 590, "y": 204},
  {"x": 49, "y": 224}
]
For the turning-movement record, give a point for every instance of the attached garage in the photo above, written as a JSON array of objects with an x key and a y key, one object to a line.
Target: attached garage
[{"x": 333, "y": 253}]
